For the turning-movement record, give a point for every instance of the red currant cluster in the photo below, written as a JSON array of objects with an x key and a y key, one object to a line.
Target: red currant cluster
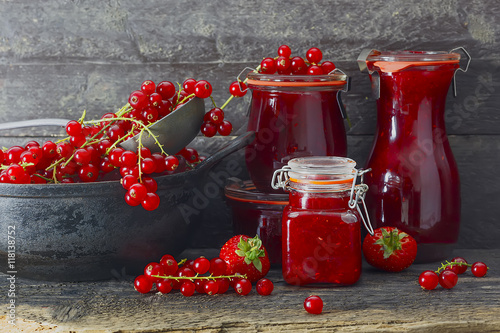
[
  {"x": 201, "y": 275},
  {"x": 90, "y": 151},
  {"x": 285, "y": 64},
  {"x": 447, "y": 274}
]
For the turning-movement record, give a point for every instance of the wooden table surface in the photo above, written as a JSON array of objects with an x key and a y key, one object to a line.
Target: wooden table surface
[{"x": 379, "y": 302}]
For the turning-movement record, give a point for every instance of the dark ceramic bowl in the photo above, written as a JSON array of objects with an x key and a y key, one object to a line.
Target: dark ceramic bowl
[{"x": 86, "y": 231}]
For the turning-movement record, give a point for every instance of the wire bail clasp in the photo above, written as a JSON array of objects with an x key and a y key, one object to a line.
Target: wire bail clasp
[
  {"x": 280, "y": 178},
  {"x": 358, "y": 193}
]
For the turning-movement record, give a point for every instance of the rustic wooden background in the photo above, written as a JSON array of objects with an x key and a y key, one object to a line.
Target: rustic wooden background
[{"x": 58, "y": 58}]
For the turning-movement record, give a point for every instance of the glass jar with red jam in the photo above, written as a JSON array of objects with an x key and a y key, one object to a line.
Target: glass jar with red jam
[
  {"x": 257, "y": 213},
  {"x": 321, "y": 225},
  {"x": 414, "y": 181},
  {"x": 293, "y": 116}
]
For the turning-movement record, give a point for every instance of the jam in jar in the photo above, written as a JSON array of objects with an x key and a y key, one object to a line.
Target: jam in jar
[
  {"x": 321, "y": 230},
  {"x": 414, "y": 181},
  {"x": 293, "y": 116}
]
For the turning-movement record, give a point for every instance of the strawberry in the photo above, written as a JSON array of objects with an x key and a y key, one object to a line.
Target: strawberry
[
  {"x": 245, "y": 255},
  {"x": 390, "y": 249}
]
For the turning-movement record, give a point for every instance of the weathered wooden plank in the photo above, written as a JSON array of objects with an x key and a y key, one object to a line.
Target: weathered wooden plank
[{"x": 379, "y": 301}]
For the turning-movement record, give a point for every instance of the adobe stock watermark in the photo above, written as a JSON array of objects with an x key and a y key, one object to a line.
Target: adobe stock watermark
[{"x": 11, "y": 274}]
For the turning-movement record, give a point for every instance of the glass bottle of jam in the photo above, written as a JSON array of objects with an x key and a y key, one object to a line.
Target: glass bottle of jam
[
  {"x": 293, "y": 116},
  {"x": 321, "y": 233},
  {"x": 414, "y": 181}
]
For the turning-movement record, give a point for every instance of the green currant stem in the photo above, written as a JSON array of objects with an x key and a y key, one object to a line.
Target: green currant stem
[
  {"x": 24, "y": 165},
  {"x": 40, "y": 176},
  {"x": 210, "y": 277},
  {"x": 213, "y": 101},
  {"x": 449, "y": 264}
]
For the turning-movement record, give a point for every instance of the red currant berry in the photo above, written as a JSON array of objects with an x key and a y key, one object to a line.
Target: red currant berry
[
  {"x": 131, "y": 201},
  {"x": 187, "y": 288},
  {"x": 327, "y": 67},
  {"x": 190, "y": 154},
  {"x": 243, "y": 287},
  {"x": 211, "y": 287},
  {"x": 268, "y": 66},
  {"x": 203, "y": 89},
  {"x": 459, "y": 269},
  {"x": 200, "y": 286},
  {"x": 314, "y": 55},
  {"x": 77, "y": 141},
  {"x": 106, "y": 165},
  {"x": 164, "y": 286},
  {"x": 448, "y": 279},
  {"x": 82, "y": 156},
  {"x": 428, "y": 280},
  {"x": 222, "y": 285},
  {"x": 171, "y": 163},
  {"x": 218, "y": 267},
  {"x": 148, "y": 87},
  {"x": 201, "y": 265},
  {"x": 143, "y": 284},
  {"x": 145, "y": 152},
  {"x": 150, "y": 183},
  {"x": 215, "y": 116},
  {"x": 166, "y": 89},
  {"x": 13, "y": 155},
  {"x": 151, "y": 201},
  {"x": 284, "y": 51},
  {"x": 169, "y": 264},
  {"x": 264, "y": 287},
  {"x": 225, "y": 128},
  {"x": 238, "y": 89},
  {"x": 208, "y": 129},
  {"x": 148, "y": 165},
  {"x": 16, "y": 174},
  {"x": 298, "y": 66},
  {"x": 138, "y": 100},
  {"x": 115, "y": 156},
  {"x": 73, "y": 128},
  {"x": 188, "y": 86},
  {"x": 154, "y": 268},
  {"x": 313, "y": 304},
  {"x": 49, "y": 150},
  {"x": 31, "y": 144},
  {"x": 29, "y": 157},
  {"x": 128, "y": 158},
  {"x": 150, "y": 115},
  {"x": 89, "y": 173},
  {"x": 138, "y": 191},
  {"x": 314, "y": 70},
  {"x": 479, "y": 269},
  {"x": 283, "y": 65},
  {"x": 127, "y": 181},
  {"x": 155, "y": 100},
  {"x": 164, "y": 109}
]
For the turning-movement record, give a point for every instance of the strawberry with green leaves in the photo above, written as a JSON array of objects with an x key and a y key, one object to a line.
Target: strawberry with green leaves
[
  {"x": 390, "y": 249},
  {"x": 245, "y": 256}
]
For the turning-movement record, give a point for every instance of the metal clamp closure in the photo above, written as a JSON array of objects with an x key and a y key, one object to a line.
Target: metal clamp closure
[
  {"x": 358, "y": 193},
  {"x": 467, "y": 55}
]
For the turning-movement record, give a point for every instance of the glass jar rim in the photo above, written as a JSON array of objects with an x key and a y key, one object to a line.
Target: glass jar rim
[
  {"x": 322, "y": 170},
  {"x": 277, "y": 80},
  {"x": 413, "y": 56}
]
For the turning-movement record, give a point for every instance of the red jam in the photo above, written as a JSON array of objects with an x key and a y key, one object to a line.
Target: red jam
[
  {"x": 321, "y": 240},
  {"x": 414, "y": 182},
  {"x": 293, "y": 116},
  {"x": 321, "y": 234}
]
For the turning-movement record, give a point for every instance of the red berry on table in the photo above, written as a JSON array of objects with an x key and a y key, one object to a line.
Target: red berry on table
[
  {"x": 203, "y": 89},
  {"x": 200, "y": 286},
  {"x": 313, "y": 304},
  {"x": 138, "y": 100},
  {"x": 264, "y": 287},
  {"x": 211, "y": 287},
  {"x": 201, "y": 265},
  {"x": 218, "y": 267},
  {"x": 73, "y": 128},
  {"x": 298, "y": 66},
  {"x": 164, "y": 286},
  {"x": 154, "y": 268},
  {"x": 238, "y": 89},
  {"x": 243, "y": 287},
  {"x": 268, "y": 66},
  {"x": 314, "y": 70},
  {"x": 284, "y": 51},
  {"x": 327, "y": 67},
  {"x": 188, "y": 86},
  {"x": 148, "y": 87},
  {"x": 448, "y": 279},
  {"x": 428, "y": 280},
  {"x": 458, "y": 269},
  {"x": 169, "y": 264},
  {"x": 314, "y": 55},
  {"x": 245, "y": 256},
  {"x": 187, "y": 288},
  {"x": 208, "y": 129},
  {"x": 143, "y": 284},
  {"x": 225, "y": 128},
  {"x": 479, "y": 269},
  {"x": 166, "y": 89},
  {"x": 222, "y": 285},
  {"x": 151, "y": 201},
  {"x": 390, "y": 249}
]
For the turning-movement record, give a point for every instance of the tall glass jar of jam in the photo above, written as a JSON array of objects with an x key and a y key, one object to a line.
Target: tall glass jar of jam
[
  {"x": 321, "y": 232},
  {"x": 293, "y": 116},
  {"x": 414, "y": 181}
]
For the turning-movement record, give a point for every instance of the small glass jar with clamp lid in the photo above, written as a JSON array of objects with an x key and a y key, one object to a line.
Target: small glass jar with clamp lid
[{"x": 321, "y": 225}]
